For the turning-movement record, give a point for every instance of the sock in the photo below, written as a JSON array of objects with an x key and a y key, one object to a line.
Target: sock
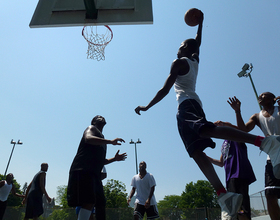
[
  {"x": 222, "y": 190},
  {"x": 258, "y": 141},
  {"x": 84, "y": 214}
]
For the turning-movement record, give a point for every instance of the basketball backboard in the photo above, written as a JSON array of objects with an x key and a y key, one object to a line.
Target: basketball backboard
[{"x": 66, "y": 13}]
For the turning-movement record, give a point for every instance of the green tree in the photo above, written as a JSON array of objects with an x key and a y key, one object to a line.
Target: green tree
[
  {"x": 198, "y": 195},
  {"x": 13, "y": 200},
  {"x": 65, "y": 213},
  {"x": 168, "y": 207},
  {"x": 116, "y": 201},
  {"x": 115, "y": 194},
  {"x": 170, "y": 202},
  {"x": 61, "y": 198}
]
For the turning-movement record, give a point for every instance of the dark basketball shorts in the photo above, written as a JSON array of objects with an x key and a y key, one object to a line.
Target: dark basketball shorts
[
  {"x": 190, "y": 119},
  {"x": 152, "y": 211},
  {"x": 85, "y": 188},
  {"x": 271, "y": 183}
]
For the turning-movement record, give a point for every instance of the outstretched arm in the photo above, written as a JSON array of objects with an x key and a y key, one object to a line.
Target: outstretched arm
[
  {"x": 94, "y": 140},
  {"x": 2, "y": 183},
  {"x": 15, "y": 193},
  {"x": 199, "y": 30},
  {"x": 219, "y": 163},
  {"x": 236, "y": 104},
  {"x": 117, "y": 157},
  {"x": 175, "y": 69}
]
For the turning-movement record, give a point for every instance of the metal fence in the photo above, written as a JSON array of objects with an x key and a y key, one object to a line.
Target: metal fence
[
  {"x": 258, "y": 207},
  {"x": 13, "y": 213}
]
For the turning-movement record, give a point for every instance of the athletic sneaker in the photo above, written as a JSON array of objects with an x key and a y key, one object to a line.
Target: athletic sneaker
[
  {"x": 225, "y": 216},
  {"x": 271, "y": 146},
  {"x": 230, "y": 203}
]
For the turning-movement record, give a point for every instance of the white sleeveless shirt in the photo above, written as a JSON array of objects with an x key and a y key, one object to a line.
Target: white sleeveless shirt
[
  {"x": 5, "y": 191},
  {"x": 270, "y": 125},
  {"x": 185, "y": 84}
]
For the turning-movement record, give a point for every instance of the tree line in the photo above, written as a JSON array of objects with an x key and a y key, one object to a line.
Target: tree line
[{"x": 195, "y": 195}]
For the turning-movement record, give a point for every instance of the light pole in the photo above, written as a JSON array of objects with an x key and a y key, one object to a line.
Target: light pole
[
  {"x": 14, "y": 143},
  {"x": 245, "y": 74},
  {"x": 137, "y": 142}
]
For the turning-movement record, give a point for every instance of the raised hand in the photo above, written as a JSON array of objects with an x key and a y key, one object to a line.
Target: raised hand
[
  {"x": 120, "y": 157},
  {"x": 117, "y": 140},
  {"x": 140, "y": 108},
  {"x": 234, "y": 103},
  {"x": 277, "y": 99}
]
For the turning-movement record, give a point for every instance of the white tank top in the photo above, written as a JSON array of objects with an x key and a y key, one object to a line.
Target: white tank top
[
  {"x": 185, "y": 84},
  {"x": 5, "y": 191},
  {"x": 270, "y": 125}
]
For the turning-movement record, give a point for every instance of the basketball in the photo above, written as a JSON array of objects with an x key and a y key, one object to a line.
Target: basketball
[{"x": 192, "y": 17}]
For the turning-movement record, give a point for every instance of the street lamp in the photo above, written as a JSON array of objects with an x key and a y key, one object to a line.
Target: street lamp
[
  {"x": 14, "y": 143},
  {"x": 137, "y": 142},
  {"x": 246, "y": 74}
]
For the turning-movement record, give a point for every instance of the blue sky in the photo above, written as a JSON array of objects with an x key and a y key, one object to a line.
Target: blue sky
[{"x": 50, "y": 91}]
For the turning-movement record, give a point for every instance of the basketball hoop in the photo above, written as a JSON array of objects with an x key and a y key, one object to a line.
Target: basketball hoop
[{"x": 97, "y": 41}]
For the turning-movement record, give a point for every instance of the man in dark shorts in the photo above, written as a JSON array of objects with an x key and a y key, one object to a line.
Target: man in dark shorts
[
  {"x": 144, "y": 183},
  {"x": 195, "y": 131},
  {"x": 85, "y": 187},
  {"x": 34, "y": 194},
  {"x": 268, "y": 120}
]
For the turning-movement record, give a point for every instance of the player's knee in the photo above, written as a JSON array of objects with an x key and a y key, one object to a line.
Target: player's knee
[{"x": 207, "y": 131}]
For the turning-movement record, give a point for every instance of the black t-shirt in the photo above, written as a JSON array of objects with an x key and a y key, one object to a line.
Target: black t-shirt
[{"x": 90, "y": 158}]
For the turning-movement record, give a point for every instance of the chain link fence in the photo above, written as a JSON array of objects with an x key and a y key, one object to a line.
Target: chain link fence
[{"x": 258, "y": 207}]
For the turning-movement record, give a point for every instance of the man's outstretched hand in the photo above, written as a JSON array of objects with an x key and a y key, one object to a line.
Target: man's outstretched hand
[
  {"x": 140, "y": 108},
  {"x": 117, "y": 140},
  {"x": 234, "y": 103},
  {"x": 120, "y": 157}
]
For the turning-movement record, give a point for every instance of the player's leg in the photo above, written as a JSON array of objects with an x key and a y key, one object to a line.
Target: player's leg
[
  {"x": 272, "y": 194},
  {"x": 238, "y": 185},
  {"x": 191, "y": 120},
  {"x": 139, "y": 211},
  {"x": 273, "y": 207},
  {"x": 100, "y": 207},
  {"x": 207, "y": 169},
  {"x": 85, "y": 212},
  {"x": 152, "y": 212},
  {"x": 86, "y": 194},
  {"x": 228, "y": 133},
  {"x": 3, "y": 206},
  {"x": 270, "y": 144}
]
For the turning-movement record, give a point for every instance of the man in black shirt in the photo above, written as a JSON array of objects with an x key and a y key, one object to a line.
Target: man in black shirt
[
  {"x": 85, "y": 187},
  {"x": 34, "y": 194}
]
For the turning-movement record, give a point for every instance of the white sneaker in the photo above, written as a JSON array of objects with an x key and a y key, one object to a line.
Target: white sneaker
[
  {"x": 230, "y": 203},
  {"x": 271, "y": 146},
  {"x": 225, "y": 216}
]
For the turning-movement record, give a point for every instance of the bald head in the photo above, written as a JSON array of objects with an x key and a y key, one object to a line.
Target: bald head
[{"x": 44, "y": 167}]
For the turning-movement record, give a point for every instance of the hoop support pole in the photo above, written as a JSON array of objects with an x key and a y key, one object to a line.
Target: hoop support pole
[{"x": 91, "y": 10}]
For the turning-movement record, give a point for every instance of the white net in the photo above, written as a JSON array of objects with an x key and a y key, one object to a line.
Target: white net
[{"x": 97, "y": 39}]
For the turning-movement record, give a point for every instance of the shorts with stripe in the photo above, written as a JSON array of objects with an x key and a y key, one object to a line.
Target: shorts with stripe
[
  {"x": 140, "y": 210},
  {"x": 271, "y": 183},
  {"x": 190, "y": 120}
]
